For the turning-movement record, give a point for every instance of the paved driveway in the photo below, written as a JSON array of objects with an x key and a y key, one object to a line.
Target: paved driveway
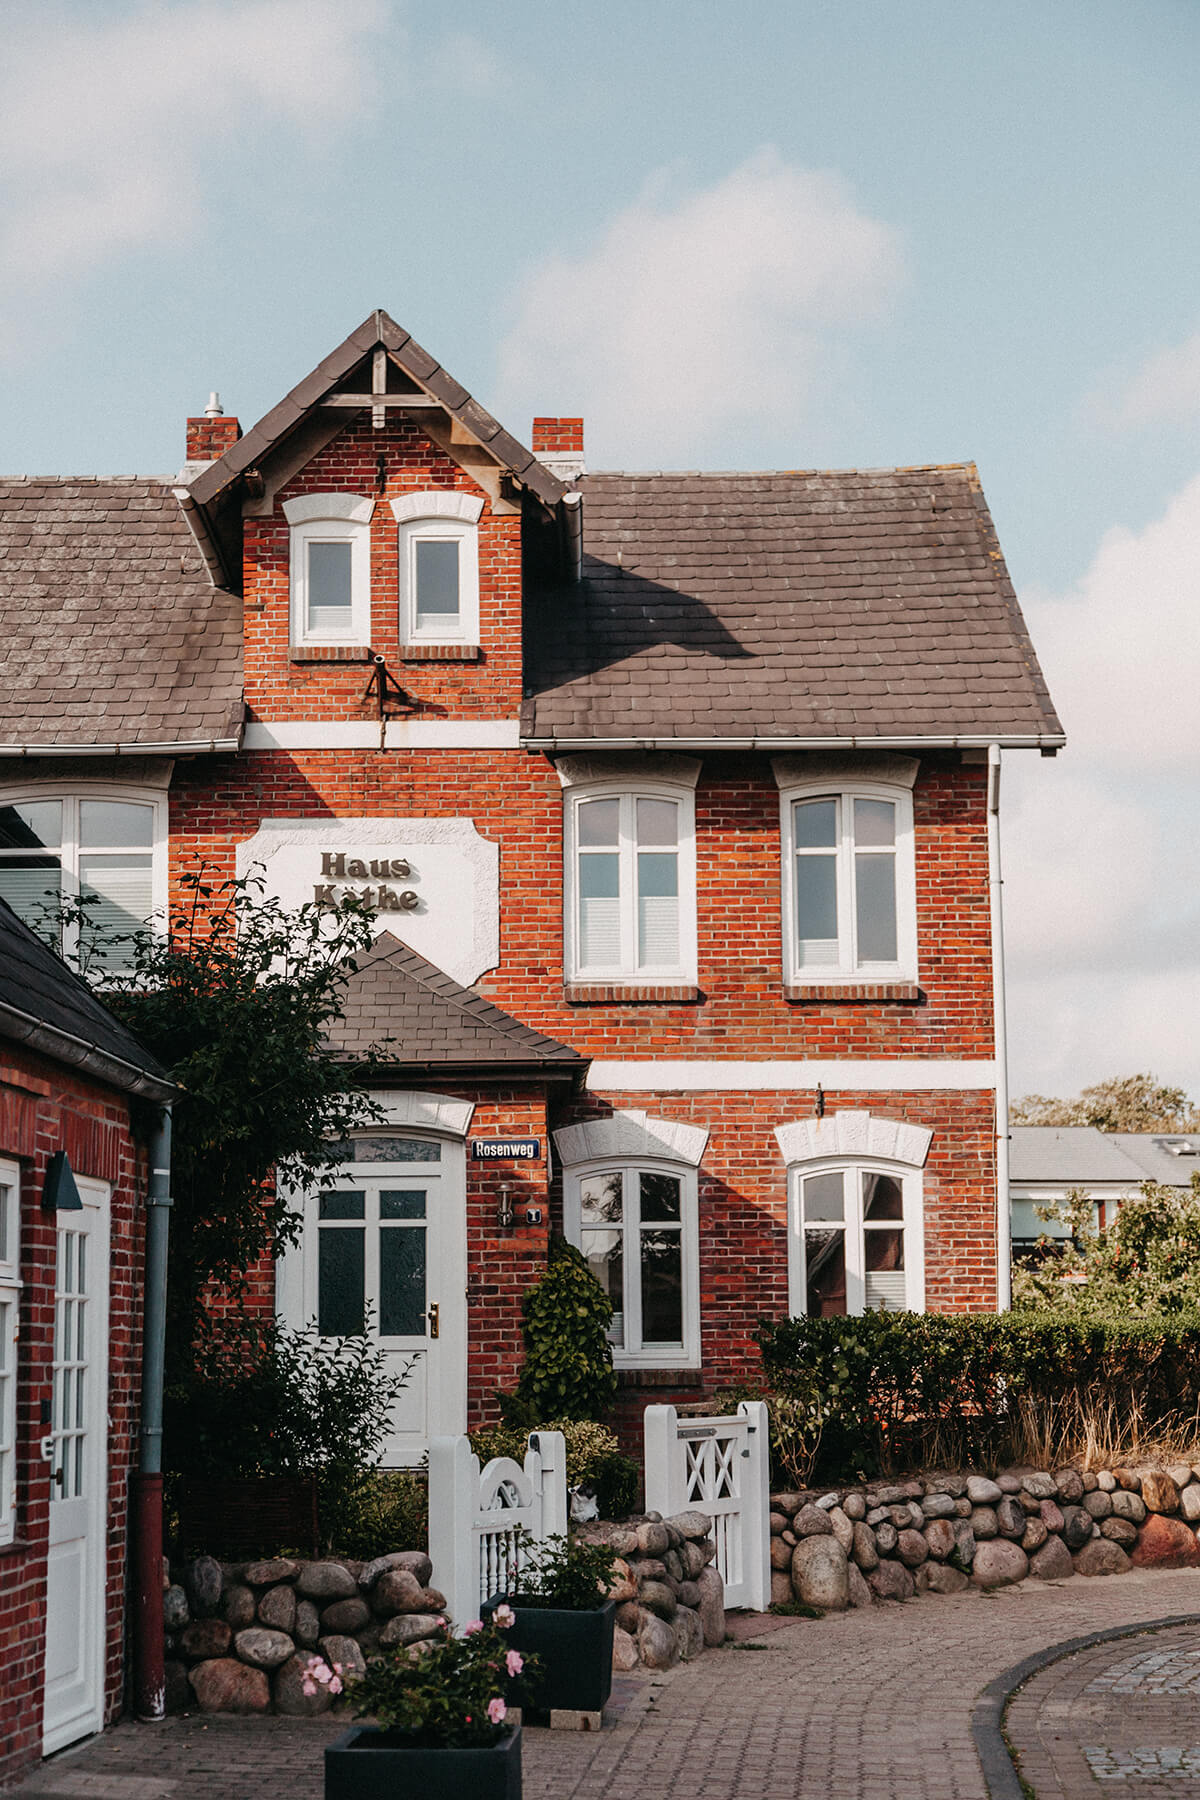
[{"x": 864, "y": 1706}]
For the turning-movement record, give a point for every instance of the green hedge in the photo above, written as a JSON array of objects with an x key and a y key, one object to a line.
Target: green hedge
[{"x": 893, "y": 1390}]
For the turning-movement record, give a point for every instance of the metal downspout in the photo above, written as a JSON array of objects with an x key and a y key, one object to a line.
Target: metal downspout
[
  {"x": 1000, "y": 1030},
  {"x": 149, "y": 1666}
]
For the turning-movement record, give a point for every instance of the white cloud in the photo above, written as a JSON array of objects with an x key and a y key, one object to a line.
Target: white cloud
[
  {"x": 693, "y": 314},
  {"x": 1164, "y": 390},
  {"x": 110, "y": 126},
  {"x": 1102, "y": 848}
]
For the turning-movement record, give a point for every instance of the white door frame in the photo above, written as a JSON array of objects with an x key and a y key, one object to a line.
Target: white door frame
[
  {"x": 74, "y": 1705},
  {"x": 446, "y": 1275}
]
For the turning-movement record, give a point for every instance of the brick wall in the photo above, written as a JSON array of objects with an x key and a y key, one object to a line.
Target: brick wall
[{"x": 44, "y": 1109}]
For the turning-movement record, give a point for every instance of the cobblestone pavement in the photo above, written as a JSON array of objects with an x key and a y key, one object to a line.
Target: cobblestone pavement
[
  {"x": 862, "y": 1706},
  {"x": 1122, "y": 1718}
]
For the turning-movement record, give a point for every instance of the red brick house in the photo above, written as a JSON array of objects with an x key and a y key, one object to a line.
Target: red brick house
[
  {"x": 676, "y": 795},
  {"x": 72, "y": 1213}
]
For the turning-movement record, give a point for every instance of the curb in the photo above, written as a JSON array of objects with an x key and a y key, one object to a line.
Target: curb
[{"x": 987, "y": 1715}]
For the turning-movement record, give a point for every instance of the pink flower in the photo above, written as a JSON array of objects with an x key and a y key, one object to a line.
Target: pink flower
[
  {"x": 335, "y": 1685},
  {"x": 308, "y": 1686},
  {"x": 496, "y": 1710},
  {"x": 504, "y": 1616},
  {"x": 515, "y": 1661},
  {"x": 473, "y": 1627},
  {"x": 439, "y": 1621}
]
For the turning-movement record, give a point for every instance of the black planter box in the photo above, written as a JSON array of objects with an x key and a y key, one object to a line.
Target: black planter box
[
  {"x": 366, "y": 1763},
  {"x": 576, "y": 1654}
]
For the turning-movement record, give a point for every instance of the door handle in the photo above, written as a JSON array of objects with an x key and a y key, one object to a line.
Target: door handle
[
  {"x": 60, "y": 1477},
  {"x": 433, "y": 1317}
]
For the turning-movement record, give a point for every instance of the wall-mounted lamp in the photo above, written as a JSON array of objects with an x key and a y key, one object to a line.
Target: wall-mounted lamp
[
  {"x": 504, "y": 1206},
  {"x": 59, "y": 1192}
]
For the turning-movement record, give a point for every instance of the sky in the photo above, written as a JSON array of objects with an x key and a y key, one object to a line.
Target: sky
[{"x": 805, "y": 233}]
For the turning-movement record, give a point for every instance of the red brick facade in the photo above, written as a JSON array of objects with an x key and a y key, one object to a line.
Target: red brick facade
[{"x": 44, "y": 1109}]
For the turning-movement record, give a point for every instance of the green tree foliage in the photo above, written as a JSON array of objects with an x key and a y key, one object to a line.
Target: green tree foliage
[
  {"x": 237, "y": 1001},
  {"x": 1145, "y": 1263},
  {"x": 1123, "y": 1103},
  {"x": 567, "y": 1372}
]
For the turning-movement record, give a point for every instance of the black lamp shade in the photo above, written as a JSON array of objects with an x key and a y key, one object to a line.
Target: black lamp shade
[{"x": 60, "y": 1193}]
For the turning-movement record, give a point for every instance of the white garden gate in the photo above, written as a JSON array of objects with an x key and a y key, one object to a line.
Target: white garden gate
[
  {"x": 475, "y": 1517},
  {"x": 720, "y": 1466}
]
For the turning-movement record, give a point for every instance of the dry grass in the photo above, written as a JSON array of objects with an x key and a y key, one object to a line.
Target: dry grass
[{"x": 1100, "y": 1433}]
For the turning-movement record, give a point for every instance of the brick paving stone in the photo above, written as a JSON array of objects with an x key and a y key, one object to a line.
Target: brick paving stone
[{"x": 870, "y": 1705}]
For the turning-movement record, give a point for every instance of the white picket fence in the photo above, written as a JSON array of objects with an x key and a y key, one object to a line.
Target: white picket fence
[
  {"x": 475, "y": 1516},
  {"x": 720, "y": 1466}
]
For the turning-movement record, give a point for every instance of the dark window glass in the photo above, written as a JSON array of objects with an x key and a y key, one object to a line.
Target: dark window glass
[
  {"x": 341, "y": 1279},
  {"x": 402, "y": 1282},
  {"x": 825, "y": 1265},
  {"x": 662, "y": 1288},
  {"x": 884, "y": 1248},
  {"x": 402, "y": 1203},
  {"x": 343, "y": 1203},
  {"x": 883, "y": 1197},
  {"x": 660, "y": 1198}
]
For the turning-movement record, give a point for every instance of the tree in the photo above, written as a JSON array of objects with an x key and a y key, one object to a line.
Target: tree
[
  {"x": 1122, "y": 1103},
  {"x": 1146, "y": 1262},
  {"x": 237, "y": 1001}
]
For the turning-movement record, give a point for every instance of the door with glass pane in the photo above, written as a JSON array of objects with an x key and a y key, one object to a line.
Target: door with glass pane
[
  {"x": 855, "y": 1246},
  {"x": 75, "y": 1448},
  {"x": 384, "y": 1250}
]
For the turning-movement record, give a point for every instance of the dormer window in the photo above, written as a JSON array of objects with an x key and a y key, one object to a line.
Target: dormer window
[
  {"x": 330, "y": 568},
  {"x": 438, "y": 566}
]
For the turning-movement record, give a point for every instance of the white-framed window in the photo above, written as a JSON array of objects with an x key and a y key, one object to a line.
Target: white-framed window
[
  {"x": 849, "y": 886},
  {"x": 103, "y": 847},
  {"x": 438, "y": 562},
  {"x": 330, "y": 568},
  {"x": 856, "y": 1242},
  {"x": 636, "y": 1223},
  {"x": 10, "y": 1303},
  {"x": 630, "y": 884}
]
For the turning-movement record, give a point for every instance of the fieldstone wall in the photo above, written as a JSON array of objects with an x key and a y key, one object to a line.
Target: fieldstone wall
[
  {"x": 240, "y": 1636},
  {"x": 670, "y": 1597},
  {"x": 946, "y": 1531}
]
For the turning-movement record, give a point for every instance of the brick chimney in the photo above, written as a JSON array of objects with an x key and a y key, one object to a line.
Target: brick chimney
[
  {"x": 212, "y": 435},
  {"x": 558, "y": 444}
]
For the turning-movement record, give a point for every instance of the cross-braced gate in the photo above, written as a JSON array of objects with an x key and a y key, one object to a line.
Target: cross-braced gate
[{"x": 721, "y": 1466}]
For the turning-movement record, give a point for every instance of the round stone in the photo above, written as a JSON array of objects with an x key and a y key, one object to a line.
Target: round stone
[
  {"x": 942, "y": 1579},
  {"x": 712, "y": 1606},
  {"x": 891, "y": 1581},
  {"x": 857, "y": 1587},
  {"x": 238, "y": 1606},
  {"x": 1076, "y": 1528},
  {"x": 653, "y": 1538},
  {"x": 984, "y": 1522},
  {"x": 886, "y": 1537},
  {"x": 345, "y": 1617},
  {"x": 205, "y": 1638},
  {"x": 1162, "y": 1544},
  {"x": 1050, "y": 1513},
  {"x": 912, "y": 1549},
  {"x": 409, "y": 1628},
  {"x": 277, "y": 1568},
  {"x": 1159, "y": 1492},
  {"x": 625, "y": 1651},
  {"x": 177, "y": 1613},
  {"x": 963, "y": 1553},
  {"x": 863, "y": 1549},
  {"x": 689, "y": 1634},
  {"x": 1010, "y": 1518},
  {"x": 288, "y": 1688},
  {"x": 1035, "y": 1535},
  {"x": 204, "y": 1582},
  {"x": 656, "y": 1642},
  {"x": 938, "y": 1506},
  {"x": 307, "y": 1626},
  {"x": 657, "y": 1597},
  {"x": 811, "y": 1521},
  {"x": 277, "y": 1609},
  {"x": 819, "y": 1573},
  {"x": 1042, "y": 1487},
  {"x": 855, "y": 1507},
  {"x": 1128, "y": 1506},
  {"x": 843, "y": 1530},
  {"x": 263, "y": 1649},
  {"x": 326, "y": 1581},
  {"x": 1068, "y": 1485},
  {"x": 1101, "y": 1557},
  {"x": 1099, "y": 1505},
  {"x": 1120, "y": 1531},
  {"x": 691, "y": 1524},
  {"x": 939, "y": 1535},
  {"x": 1052, "y": 1562},
  {"x": 228, "y": 1686},
  {"x": 999, "y": 1563},
  {"x": 415, "y": 1561},
  {"x": 396, "y": 1590},
  {"x": 343, "y": 1655}
]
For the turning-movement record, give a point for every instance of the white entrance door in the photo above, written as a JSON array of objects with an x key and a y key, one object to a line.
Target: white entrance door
[
  {"x": 385, "y": 1246},
  {"x": 76, "y": 1562}
]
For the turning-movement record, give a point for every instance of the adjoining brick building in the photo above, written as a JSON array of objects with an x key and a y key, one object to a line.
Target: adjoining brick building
[
  {"x": 677, "y": 798},
  {"x": 71, "y": 1260}
]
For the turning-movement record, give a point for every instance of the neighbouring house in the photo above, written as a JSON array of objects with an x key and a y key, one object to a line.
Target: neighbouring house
[
  {"x": 675, "y": 796},
  {"x": 72, "y": 1212},
  {"x": 1049, "y": 1162}
]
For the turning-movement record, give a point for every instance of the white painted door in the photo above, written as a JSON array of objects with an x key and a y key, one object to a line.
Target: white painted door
[
  {"x": 386, "y": 1246},
  {"x": 76, "y": 1562}
]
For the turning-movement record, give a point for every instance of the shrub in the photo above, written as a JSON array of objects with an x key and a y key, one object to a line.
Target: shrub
[
  {"x": 563, "y": 1573},
  {"x": 567, "y": 1372},
  {"x": 377, "y": 1510},
  {"x": 1147, "y": 1261},
  {"x": 909, "y": 1390},
  {"x": 594, "y": 1458},
  {"x": 451, "y": 1695}
]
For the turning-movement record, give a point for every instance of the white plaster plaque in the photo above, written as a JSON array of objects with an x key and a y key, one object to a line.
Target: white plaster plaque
[{"x": 434, "y": 883}]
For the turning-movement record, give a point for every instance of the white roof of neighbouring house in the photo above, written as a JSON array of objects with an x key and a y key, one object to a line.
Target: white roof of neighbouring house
[{"x": 1083, "y": 1156}]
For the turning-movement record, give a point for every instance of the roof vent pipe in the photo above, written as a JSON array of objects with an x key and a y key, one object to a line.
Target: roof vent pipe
[{"x": 214, "y": 409}]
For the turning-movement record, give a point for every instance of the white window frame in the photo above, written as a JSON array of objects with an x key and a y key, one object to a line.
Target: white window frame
[
  {"x": 913, "y": 1220},
  {"x": 69, "y": 794},
  {"x": 684, "y": 971},
  {"x": 330, "y": 519},
  {"x": 849, "y": 968},
  {"x": 447, "y": 516},
  {"x": 631, "y": 1355},
  {"x": 10, "y": 1316}
]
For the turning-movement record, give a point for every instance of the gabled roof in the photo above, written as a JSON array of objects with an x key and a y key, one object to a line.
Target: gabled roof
[
  {"x": 1085, "y": 1155},
  {"x": 426, "y": 375},
  {"x": 416, "y": 1016},
  {"x": 800, "y": 607},
  {"x": 113, "y": 633},
  {"x": 48, "y": 1008}
]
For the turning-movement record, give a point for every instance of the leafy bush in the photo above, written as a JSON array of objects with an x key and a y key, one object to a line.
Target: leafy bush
[
  {"x": 451, "y": 1696},
  {"x": 594, "y": 1458},
  {"x": 1147, "y": 1261},
  {"x": 562, "y": 1572},
  {"x": 377, "y": 1510},
  {"x": 896, "y": 1390},
  {"x": 567, "y": 1372}
]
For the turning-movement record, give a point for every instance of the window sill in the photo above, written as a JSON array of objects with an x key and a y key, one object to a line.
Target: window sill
[
  {"x": 440, "y": 653},
  {"x": 878, "y": 993},
  {"x": 330, "y": 653},
  {"x": 580, "y": 993},
  {"x": 630, "y": 1376}
]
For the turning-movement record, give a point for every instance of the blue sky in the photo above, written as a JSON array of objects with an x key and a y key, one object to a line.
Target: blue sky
[{"x": 803, "y": 234}]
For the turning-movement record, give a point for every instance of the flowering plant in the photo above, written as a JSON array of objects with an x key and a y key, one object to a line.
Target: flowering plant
[{"x": 447, "y": 1692}]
